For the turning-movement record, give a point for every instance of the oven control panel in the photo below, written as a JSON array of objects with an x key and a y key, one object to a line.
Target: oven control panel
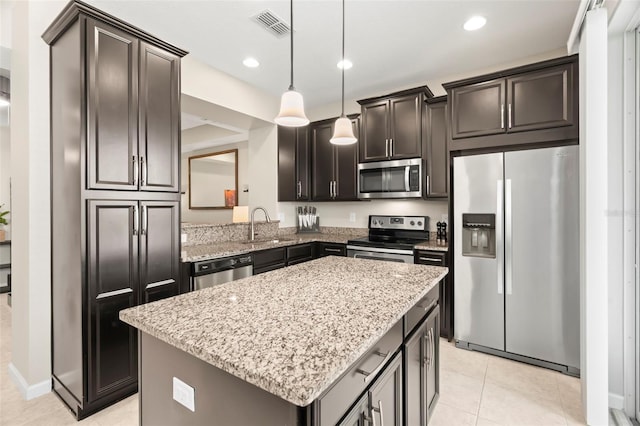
[{"x": 409, "y": 223}]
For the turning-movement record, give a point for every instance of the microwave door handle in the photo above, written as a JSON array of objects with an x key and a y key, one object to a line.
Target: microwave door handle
[{"x": 407, "y": 169}]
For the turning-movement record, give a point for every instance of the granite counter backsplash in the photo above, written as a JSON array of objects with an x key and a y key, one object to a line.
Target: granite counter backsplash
[{"x": 212, "y": 233}]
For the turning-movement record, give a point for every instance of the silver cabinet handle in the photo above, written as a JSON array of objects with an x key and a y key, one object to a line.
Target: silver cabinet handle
[
  {"x": 299, "y": 189},
  {"x": 502, "y": 116},
  {"x": 379, "y": 410},
  {"x": 143, "y": 166},
  {"x": 145, "y": 213},
  {"x": 509, "y": 114},
  {"x": 499, "y": 241},
  {"x": 428, "y": 185},
  {"x": 427, "y": 349},
  {"x": 368, "y": 375},
  {"x": 135, "y": 171},
  {"x": 430, "y": 259},
  {"x": 386, "y": 147},
  {"x": 335, "y": 188},
  {"x": 391, "y": 147},
  {"x": 508, "y": 227},
  {"x": 333, "y": 250},
  {"x": 433, "y": 347},
  {"x": 135, "y": 220}
]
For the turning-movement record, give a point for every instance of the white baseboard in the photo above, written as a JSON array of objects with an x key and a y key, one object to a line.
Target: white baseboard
[
  {"x": 28, "y": 391},
  {"x": 616, "y": 401}
]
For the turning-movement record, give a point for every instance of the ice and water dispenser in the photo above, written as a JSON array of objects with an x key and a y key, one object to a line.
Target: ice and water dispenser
[{"x": 479, "y": 235}]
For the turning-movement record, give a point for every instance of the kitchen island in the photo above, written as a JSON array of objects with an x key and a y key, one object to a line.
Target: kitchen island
[{"x": 299, "y": 345}]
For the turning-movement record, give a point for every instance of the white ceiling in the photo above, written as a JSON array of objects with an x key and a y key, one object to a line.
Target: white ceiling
[{"x": 392, "y": 43}]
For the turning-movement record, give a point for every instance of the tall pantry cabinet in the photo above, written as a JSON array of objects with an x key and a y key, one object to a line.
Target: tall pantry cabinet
[{"x": 115, "y": 200}]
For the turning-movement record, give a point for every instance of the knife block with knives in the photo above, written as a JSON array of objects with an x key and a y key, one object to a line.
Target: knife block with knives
[{"x": 308, "y": 220}]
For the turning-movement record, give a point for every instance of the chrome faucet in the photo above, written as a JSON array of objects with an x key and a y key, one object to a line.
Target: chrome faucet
[{"x": 253, "y": 212}]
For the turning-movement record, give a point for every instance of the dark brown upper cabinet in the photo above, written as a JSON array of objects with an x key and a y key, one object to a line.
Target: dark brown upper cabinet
[
  {"x": 392, "y": 125},
  {"x": 537, "y": 103},
  {"x": 333, "y": 167},
  {"x": 133, "y": 113},
  {"x": 293, "y": 163},
  {"x": 435, "y": 152}
]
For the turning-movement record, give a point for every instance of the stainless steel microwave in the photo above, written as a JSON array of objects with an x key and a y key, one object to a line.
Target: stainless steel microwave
[{"x": 390, "y": 179}]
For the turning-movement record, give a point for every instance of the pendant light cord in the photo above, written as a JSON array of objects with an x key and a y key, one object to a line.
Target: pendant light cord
[
  {"x": 291, "y": 20},
  {"x": 343, "y": 60}
]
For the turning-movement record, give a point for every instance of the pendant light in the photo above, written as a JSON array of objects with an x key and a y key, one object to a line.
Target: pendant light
[
  {"x": 291, "y": 105},
  {"x": 343, "y": 129}
]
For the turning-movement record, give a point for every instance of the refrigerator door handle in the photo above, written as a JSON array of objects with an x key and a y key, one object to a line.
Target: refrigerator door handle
[
  {"x": 499, "y": 239},
  {"x": 508, "y": 237}
]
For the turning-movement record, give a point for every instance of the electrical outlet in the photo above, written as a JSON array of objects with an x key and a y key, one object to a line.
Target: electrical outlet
[
  {"x": 445, "y": 218},
  {"x": 183, "y": 238},
  {"x": 184, "y": 394},
  {"x": 352, "y": 217}
]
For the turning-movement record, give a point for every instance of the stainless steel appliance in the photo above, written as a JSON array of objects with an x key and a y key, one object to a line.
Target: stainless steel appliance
[
  {"x": 390, "y": 238},
  {"x": 516, "y": 255},
  {"x": 390, "y": 179},
  {"x": 209, "y": 273}
]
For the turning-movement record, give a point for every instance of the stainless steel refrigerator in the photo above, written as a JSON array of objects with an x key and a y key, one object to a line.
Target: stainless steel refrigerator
[{"x": 516, "y": 255}]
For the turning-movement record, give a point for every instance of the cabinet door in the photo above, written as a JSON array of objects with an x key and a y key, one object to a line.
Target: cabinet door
[
  {"x": 432, "y": 360},
  {"x": 541, "y": 100},
  {"x": 385, "y": 396},
  {"x": 358, "y": 415},
  {"x": 437, "y": 156},
  {"x": 159, "y": 119},
  {"x": 287, "y": 167},
  {"x": 302, "y": 163},
  {"x": 415, "y": 380},
  {"x": 346, "y": 168},
  {"x": 112, "y": 108},
  {"x": 478, "y": 109},
  {"x": 159, "y": 250},
  {"x": 406, "y": 126},
  {"x": 112, "y": 285},
  {"x": 322, "y": 162},
  {"x": 375, "y": 131}
]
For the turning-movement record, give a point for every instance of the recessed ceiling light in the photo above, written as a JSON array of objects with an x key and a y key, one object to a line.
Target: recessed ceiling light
[
  {"x": 475, "y": 23},
  {"x": 347, "y": 64},
  {"x": 251, "y": 63}
]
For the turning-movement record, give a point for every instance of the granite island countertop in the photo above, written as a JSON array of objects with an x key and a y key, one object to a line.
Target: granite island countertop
[{"x": 292, "y": 331}]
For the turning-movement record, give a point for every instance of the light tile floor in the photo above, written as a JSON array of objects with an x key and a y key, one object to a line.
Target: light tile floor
[{"x": 475, "y": 389}]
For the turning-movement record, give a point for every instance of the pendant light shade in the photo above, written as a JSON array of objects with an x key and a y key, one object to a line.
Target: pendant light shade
[
  {"x": 291, "y": 105},
  {"x": 343, "y": 129},
  {"x": 291, "y": 110},
  {"x": 343, "y": 132}
]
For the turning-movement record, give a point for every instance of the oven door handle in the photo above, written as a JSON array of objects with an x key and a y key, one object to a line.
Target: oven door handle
[{"x": 379, "y": 250}]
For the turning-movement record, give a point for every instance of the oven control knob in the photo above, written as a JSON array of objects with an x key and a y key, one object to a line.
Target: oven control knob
[
  {"x": 419, "y": 223},
  {"x": 412, "y": 223}
]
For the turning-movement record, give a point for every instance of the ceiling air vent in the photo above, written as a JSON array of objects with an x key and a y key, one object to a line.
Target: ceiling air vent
[{"x": 272, "y": 22}]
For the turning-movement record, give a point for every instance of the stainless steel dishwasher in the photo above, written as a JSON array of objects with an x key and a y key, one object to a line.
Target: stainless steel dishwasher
[{"x": 209, "y": 273}]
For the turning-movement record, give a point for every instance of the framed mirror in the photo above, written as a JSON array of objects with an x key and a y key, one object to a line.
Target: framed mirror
[{"x": 213, "y": 180}]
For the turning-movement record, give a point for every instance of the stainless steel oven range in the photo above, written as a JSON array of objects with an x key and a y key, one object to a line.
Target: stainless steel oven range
[{"x": 390, "y": 238}]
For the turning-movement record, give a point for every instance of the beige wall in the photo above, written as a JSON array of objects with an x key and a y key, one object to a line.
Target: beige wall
[
  {"x": 215, "y": 216},
  {"x": 5, "y": 173}
]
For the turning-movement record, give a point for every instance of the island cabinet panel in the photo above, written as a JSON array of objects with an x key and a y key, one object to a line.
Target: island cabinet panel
[
  {"x": 330, "y": 249},
  {"x": 534, "y": 104},
  {"x": 435, "y": 151},
  {"x": 421, "y": 380},
  {"x": 293, "y": 163},
  {"x": 386, "y": 395},
  {"x": 115, "y": 149},
  {"x": 359, "y": 414},
  {"x": 269, "y": 260},
  {"x": 333, "y": 167},
  {"x": 392, "y": 125}
]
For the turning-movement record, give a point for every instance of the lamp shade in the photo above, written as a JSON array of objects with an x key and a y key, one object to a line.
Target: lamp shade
[
  {"x": 292, "y": 110},
  {"x": 343, "y": 132}
]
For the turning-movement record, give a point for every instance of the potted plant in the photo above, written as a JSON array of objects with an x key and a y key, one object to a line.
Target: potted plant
[{"x": 3, "y": 222}]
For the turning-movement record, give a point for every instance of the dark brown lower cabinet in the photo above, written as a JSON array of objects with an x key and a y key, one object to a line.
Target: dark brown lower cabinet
[
  {"x": 133, "y": 257},
  {"x": 422, "y": 364},
  {"x": 330, "y": 249},
  {"x": 440, "y": 258},
  {"x": 382, "y": 404}
]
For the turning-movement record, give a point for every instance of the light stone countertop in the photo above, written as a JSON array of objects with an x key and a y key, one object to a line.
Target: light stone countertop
[
  {"x": 292, "y": 331},
  {"x": 432, "y": 245},
  {"x": 232, "y": 248}
]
